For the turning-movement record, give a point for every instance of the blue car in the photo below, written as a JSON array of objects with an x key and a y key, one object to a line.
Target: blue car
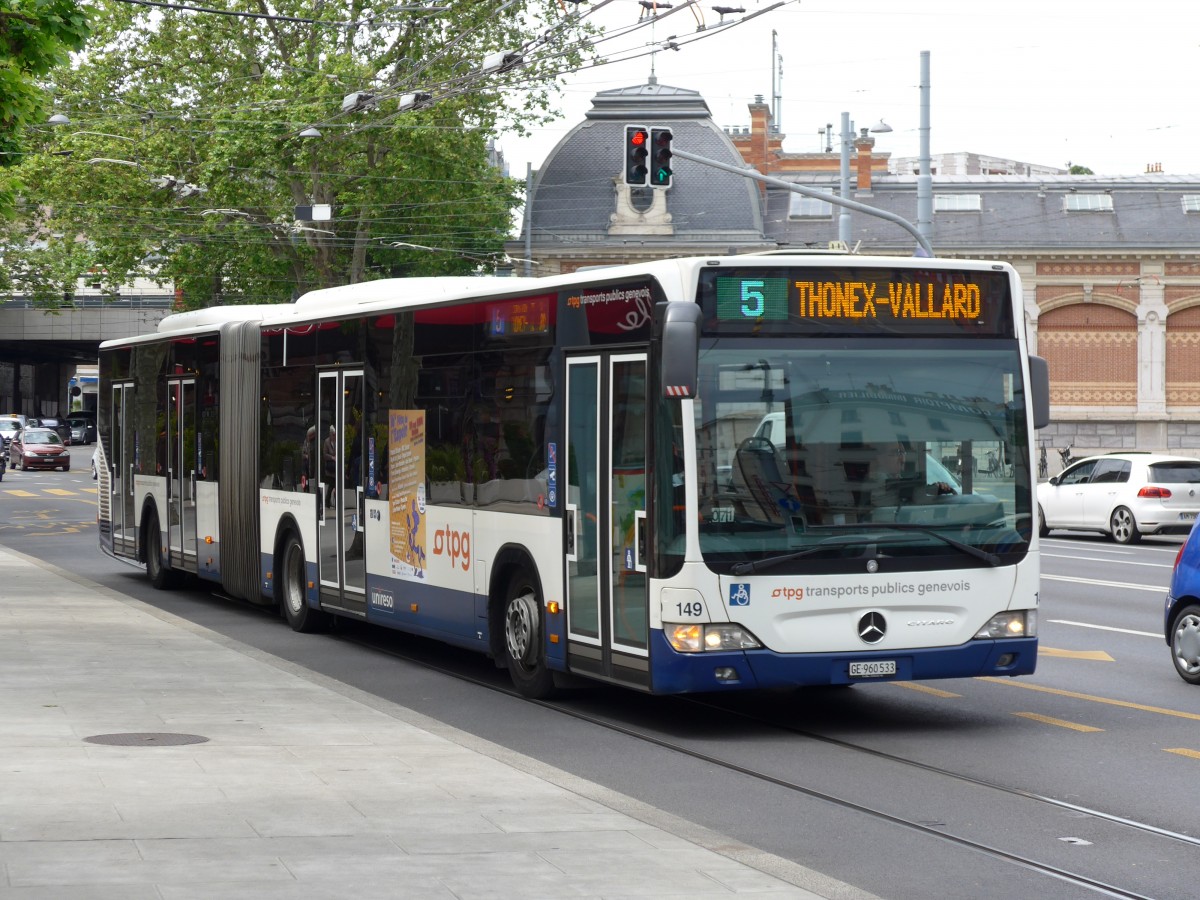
[{"x": 1182, "y": 617}]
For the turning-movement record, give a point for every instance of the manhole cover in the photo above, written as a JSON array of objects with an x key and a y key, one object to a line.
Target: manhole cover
[{"x": 146, "y": 739}]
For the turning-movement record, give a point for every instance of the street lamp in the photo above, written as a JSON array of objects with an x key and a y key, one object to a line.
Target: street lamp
[{"x": 847, "y": 137}]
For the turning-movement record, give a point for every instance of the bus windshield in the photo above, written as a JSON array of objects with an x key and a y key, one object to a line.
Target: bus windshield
[{"x": 817, "y": 455}]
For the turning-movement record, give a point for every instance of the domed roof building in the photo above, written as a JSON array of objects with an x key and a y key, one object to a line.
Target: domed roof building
[{"x": 581, "y": 212}]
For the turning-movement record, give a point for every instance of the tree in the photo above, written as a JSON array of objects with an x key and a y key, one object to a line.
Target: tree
[
  {"x": 188, "y": 157},
  {"x": 35, "y": 36},
  {"x": 1079, "y": 170}
]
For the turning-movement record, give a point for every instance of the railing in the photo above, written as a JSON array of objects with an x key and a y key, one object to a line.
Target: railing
[{"x": 150, "y": 301}]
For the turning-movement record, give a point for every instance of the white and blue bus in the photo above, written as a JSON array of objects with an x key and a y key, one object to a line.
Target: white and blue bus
[{"x": 699, "y": 474}]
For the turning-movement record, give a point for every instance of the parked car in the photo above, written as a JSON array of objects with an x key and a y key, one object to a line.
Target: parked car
[
  {"x": 38, "y": 448},
  {"x": 59, "y": 426},
  {"x": 83, "y": 431},
  {"x": 1123, "y": 495},
  {"x": 1181, "y": 620},
  {"x": 9, "y": 426}
]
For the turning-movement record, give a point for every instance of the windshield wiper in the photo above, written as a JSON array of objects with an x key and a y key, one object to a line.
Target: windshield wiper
[
  {"x": 990, "y": 558},
  {"x": 747, "y": 568}
]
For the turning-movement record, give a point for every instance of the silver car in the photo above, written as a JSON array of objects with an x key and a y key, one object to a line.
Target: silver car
[
  {"x": 83, "y": 431},
  {"x": 1123, "y": 495}
]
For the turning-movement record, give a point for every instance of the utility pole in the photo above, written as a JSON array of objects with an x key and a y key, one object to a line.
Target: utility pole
[
  {"x": 923, "y": 247},
  {"x": 924, "y": 176}
]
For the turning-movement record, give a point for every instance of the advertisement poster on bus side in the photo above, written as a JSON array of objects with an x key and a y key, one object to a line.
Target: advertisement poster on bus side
[{"x": 406, "y": 492}]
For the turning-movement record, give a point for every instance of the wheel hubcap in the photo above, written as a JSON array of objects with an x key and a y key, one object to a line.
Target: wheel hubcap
[
  {"x": 1121, "y": 525},
  {"x": 1187, "y": 644},
  {"x": 520, "y": 625}
]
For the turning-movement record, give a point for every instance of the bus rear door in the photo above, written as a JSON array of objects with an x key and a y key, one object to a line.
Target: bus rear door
[{"x": 181, "y": 472}]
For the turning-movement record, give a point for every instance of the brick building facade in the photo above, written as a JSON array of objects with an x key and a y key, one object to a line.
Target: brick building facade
[{"x": 1110, "y": 266}]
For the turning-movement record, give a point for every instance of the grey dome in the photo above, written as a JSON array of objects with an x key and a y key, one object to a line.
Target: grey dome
[{"x": 574, "y": 196}]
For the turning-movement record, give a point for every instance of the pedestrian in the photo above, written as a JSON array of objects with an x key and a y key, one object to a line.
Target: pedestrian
[{"x": 329, "y": 454}]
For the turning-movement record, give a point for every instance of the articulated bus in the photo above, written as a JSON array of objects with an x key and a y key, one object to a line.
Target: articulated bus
[{"x": 686, "y": 475}]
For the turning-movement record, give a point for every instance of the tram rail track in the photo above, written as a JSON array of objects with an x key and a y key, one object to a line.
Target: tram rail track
[{"x": 938, "y": 831}]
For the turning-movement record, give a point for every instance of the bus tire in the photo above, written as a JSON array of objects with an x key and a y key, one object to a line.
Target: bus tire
[
  {"x": 293, "y": 597},
  {"x": 524, "y": 654},
  {"x": 161, "y": 575},
  {"x": 1043, "y": 531}
]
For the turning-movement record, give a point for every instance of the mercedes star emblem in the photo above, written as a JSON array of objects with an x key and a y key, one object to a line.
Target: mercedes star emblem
[{"x": 872, "y": 627}]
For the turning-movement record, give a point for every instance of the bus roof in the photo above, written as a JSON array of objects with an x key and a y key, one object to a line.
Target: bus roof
[{"x": 400, "y": 293}]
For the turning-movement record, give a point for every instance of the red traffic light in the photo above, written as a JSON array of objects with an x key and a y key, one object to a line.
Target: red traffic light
[{"x": 636, "y": 139}]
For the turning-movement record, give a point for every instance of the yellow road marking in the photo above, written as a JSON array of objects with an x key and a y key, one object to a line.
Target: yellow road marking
[
  {"x": 1062, "y": 723},
  {"x": 70, "y": 529},
  {"x": 1183, "y": 751},
  {"x": 1094, "y": 699},
  {"x": 20, "y": 493},
  {"x": 1098, "y": 655},
  {"x": 60, "y": 492},
  {"x": 924, "y": 689}
]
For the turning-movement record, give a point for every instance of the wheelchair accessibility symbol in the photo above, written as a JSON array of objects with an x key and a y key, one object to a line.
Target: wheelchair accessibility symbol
[{"x": 739, "y": 594}]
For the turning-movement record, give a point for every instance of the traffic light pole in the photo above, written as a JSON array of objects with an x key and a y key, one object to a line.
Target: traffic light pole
[{"x": 923, "y": 247}]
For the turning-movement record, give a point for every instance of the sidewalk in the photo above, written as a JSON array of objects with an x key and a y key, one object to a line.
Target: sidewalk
[{"x": 294, "y": 785}]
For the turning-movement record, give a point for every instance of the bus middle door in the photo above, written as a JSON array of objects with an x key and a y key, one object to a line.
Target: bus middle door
[
  {"x": 341, "y": 500},
  {"x": 607, "y": 588}
]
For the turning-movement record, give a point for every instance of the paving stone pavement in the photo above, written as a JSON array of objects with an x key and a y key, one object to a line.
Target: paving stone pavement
[{"x": 303, "y": 787}]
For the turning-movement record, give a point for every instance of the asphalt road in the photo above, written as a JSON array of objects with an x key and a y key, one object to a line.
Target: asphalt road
[{"x": 896, "y": 779}]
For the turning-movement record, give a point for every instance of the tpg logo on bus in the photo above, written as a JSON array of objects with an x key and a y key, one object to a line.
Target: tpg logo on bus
[{"x": 454, "y": 544}]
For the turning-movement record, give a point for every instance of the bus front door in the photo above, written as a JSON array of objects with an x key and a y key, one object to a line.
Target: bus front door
[
  {"x": 341, "y": 499},
  {"x": 181, "y": 472},
  {"x": 605, "y": 512}
]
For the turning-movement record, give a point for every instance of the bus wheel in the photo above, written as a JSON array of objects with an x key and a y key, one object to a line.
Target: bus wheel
[
  {"x": 523, "y": 652},
  {"x": 293, "y": 597},
  {"x": 159, "y": 573}
]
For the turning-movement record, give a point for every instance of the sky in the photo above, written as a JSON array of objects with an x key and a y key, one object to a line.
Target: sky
[{"x": 1109, "y": 86}]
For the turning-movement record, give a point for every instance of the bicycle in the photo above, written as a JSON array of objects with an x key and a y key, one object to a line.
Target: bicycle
[
  {"x": 1065, "y": 455},
  {"x": 993, "y": 463},
  {"x": 1043, "y": 464}
]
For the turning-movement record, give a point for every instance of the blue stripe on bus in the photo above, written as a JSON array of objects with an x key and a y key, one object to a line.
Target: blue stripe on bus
[
  {"x": 443, "y": 613},
  {"x": 675, "y": 672}
]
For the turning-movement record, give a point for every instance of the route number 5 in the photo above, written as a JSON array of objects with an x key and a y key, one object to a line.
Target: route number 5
[{"x": 753, "y": 301}]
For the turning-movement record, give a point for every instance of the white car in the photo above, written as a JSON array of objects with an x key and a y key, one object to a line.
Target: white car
[{"x": 1123, "y": 495}]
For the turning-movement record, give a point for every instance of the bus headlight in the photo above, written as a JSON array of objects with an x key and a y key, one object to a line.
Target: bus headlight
[
  {"x": 694, "y": 638},
  {"x": 1019, "y": 623}
]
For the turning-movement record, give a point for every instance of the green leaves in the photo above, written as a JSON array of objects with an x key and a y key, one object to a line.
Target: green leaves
[
  {"x": 35, "y": 36},
  {"x": 184, "y": 161}
]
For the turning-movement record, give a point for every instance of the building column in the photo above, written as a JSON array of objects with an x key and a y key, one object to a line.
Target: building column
[
  {"x": 1152, "y": 365},
  {"x": 1027, "y": 272}
]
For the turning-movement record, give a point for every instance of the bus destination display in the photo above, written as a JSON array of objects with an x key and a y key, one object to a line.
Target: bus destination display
[
  {"x": 902, "y": 301},
  {"x": 512, "y": 318}
]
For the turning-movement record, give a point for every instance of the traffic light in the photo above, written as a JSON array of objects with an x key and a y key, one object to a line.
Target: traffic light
[
  {"x": 660, "y": 157},
  {"x": 636, "y": 139}
]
